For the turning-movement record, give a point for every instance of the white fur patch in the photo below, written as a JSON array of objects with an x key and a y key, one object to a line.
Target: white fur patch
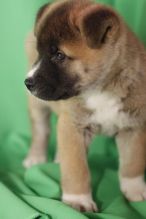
[
  {"x": 80, "y": 202},
  {"x": 33, "y": 70},
  {"x": 134, "y": 188},
  {"x": 107, "y": 111},
  {"x": 34, "y": 159}
]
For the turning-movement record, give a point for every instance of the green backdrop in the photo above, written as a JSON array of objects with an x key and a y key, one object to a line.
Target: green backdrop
[{"x": 35, "y": 193}]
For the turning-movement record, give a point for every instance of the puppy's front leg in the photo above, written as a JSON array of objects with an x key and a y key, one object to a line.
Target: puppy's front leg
[
  {"x": 39, "y": 115},
  {"x": 132, "y": 150},
  {"x": 74, "y": 167}
]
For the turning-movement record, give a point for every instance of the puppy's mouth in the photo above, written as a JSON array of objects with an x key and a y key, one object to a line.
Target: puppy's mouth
[
  {"x": 63, "y": 96},
  {"x": 53, "y": 95},
  {"x": 49, "y": 92}
]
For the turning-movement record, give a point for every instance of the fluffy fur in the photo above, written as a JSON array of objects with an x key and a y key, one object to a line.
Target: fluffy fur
[{"x": 91, "y": 70}]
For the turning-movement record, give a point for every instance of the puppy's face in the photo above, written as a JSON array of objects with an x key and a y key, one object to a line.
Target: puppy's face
[{"x": 75, "y": 41}]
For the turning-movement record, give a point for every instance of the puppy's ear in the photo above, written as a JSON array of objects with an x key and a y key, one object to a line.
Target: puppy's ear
[
  {"x": 40, "y": 12},
  {"x": 99, "y": 25}
]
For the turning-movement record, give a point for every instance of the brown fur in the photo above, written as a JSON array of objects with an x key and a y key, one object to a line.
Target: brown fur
[{"x": 106, "y": 56}]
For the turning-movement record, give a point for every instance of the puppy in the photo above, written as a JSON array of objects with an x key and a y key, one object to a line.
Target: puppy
[{"x": 91, "y": 69}]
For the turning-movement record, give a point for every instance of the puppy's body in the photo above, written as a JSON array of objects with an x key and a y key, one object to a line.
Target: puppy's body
[{"x": 94, "y": 66}]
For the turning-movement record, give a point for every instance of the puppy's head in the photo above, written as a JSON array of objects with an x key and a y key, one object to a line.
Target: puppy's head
[{"x": 75, "y": 42}]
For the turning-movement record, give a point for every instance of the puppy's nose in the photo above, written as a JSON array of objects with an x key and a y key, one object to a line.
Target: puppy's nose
[{"x": 29, "y": 82}]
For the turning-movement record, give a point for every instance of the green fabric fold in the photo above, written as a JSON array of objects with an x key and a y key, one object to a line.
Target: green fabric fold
[{"x": 13, "y": 207}]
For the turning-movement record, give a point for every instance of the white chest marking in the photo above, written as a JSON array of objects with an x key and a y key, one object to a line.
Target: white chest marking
[{"x": 107, "y": 112}]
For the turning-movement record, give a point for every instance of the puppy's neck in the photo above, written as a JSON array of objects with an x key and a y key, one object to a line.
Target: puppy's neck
[{"x": 106, "y": 83}]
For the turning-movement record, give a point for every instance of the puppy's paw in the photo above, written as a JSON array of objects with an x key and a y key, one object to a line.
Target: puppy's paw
[
  {"x": 33, "y": 159},
  {"x": 81, "y": 203},
  {"x": 134, "y": 188}
]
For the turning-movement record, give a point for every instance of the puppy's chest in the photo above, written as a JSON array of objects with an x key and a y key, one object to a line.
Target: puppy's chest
[{"x": 106, "y": 113}]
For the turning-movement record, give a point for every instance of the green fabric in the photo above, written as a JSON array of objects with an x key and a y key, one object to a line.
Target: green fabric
[{"x": 35, "y": 193}]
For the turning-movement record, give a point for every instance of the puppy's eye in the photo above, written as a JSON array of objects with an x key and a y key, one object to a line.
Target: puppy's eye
[{"x": 60, "y": 56}]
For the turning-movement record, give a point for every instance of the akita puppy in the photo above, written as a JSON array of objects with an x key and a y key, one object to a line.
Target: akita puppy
[{"x": 90, "y": 69}]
